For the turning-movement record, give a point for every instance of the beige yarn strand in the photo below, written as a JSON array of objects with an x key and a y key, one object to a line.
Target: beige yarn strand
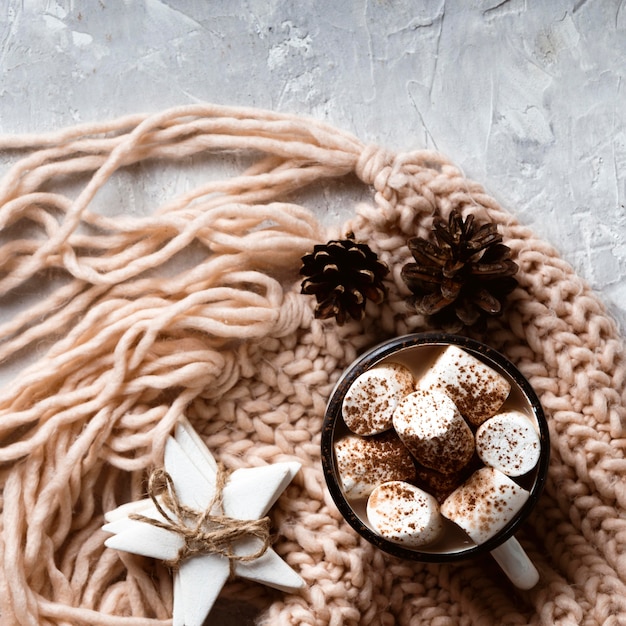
[{"x": 195, "y": 309}]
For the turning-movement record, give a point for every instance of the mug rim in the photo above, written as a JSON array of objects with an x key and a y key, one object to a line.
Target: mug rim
[{"x": 333, "y": 415}]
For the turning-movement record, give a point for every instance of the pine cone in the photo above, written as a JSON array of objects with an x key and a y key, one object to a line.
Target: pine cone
[
  {"x": 342, "y": 275},
  {"x": 462, "y": 277}
]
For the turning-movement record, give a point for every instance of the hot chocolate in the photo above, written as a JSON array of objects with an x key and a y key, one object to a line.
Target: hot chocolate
[{"x": 443, "y": 412}]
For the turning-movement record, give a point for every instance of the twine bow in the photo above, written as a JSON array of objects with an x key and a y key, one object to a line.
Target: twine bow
[{"x": 204, "y": 532}]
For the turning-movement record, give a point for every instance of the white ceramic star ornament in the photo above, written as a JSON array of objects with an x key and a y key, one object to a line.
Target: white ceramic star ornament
[{"x": 247, "y": 494}]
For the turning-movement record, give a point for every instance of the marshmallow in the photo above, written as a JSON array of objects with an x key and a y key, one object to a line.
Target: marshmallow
[
  {"x": 509, "y": 442},
  {"x": 477, "y": 390},
  {"x": 404, "y": 514},
  {"x": 434, "y": 431},
  {"x": 485, "y": 503},
  {"x": 442, "y": 485},
  {"x": 364, "y": 463},
  {"x": 370, "y": 401}
]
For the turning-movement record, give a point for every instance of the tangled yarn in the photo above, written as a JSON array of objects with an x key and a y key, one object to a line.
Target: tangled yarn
[{"x": 195, "y": 309}]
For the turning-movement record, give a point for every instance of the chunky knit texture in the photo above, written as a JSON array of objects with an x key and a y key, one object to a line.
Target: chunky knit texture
[{"x": 130, "y": 336}]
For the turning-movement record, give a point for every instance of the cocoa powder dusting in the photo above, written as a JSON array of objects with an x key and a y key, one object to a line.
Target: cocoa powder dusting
[{"x": 375, "y": 459}]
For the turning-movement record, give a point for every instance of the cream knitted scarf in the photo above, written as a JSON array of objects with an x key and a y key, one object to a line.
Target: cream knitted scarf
[{"x": 130, "y": 321}]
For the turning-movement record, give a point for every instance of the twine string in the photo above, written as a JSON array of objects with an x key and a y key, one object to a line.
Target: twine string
[{"x": 204, "y": 532}]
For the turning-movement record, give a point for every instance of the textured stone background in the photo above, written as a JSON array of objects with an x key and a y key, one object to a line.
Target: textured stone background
[{"x": 528, "y": 98}]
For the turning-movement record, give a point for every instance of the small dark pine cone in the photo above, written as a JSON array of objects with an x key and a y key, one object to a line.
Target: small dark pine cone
[
  {"x": 342, "y": 275},
  {"x": 462, "y": 277}
]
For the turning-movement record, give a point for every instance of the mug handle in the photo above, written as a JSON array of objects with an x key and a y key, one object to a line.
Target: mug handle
[{"x": 515, "y": 563}]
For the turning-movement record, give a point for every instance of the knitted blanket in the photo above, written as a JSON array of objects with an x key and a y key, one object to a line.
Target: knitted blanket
[{"x": 128, "y": 321}]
